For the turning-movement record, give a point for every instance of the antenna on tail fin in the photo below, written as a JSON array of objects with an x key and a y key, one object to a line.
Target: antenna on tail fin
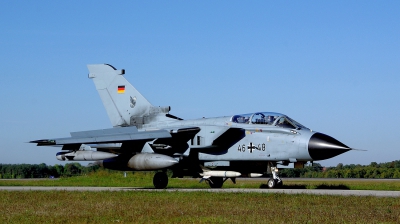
[{"x": 125, "y": 105}]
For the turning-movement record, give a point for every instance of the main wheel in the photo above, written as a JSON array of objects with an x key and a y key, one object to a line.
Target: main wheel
[
  {"x": 279, "y": 184},
  {"x": 160, "y": 180},
  {"x": 271, "y": 183},
  {"x": 216, "y": 182}
]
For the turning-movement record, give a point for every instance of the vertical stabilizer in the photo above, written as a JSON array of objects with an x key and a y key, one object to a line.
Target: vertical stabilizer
[{"x": 122, "y": 101}]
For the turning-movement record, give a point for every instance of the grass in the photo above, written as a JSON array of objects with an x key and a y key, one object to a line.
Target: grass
[
  {"x": 144, "y": 180},
  {"x": 192, "y": 207}
]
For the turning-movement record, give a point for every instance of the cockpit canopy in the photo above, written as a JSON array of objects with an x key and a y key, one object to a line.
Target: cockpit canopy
[{"x": 267, "y": 118}]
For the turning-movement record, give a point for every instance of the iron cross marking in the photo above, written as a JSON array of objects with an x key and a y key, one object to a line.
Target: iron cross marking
[{"x": 250, "y": 147}]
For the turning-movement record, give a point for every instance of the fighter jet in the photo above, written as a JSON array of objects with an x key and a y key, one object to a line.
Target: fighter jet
[{"x": 145, "y": 137}]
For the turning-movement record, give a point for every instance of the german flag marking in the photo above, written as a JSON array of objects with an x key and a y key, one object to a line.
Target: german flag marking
[{"x": 121, "y": 89}]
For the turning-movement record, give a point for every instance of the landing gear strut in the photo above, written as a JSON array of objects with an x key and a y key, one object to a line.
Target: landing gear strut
[
  {"x": 160, "y": 180},
  {"x": 275, "y": 181}
]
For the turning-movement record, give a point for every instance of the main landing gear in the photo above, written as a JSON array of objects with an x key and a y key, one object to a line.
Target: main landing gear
[
  {"x": 160, "y": 180},
  {"x": 275, "y": 181}
]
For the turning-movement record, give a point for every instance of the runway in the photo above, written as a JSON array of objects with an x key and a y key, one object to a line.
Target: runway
[{"x": 222, "y": 190}]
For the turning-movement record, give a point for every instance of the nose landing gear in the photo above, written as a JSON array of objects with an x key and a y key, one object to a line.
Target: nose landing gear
[{"x": 275, "y": 181}]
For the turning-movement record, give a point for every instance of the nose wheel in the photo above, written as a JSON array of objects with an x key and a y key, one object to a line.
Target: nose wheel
[{"x": 272, "y": 183}]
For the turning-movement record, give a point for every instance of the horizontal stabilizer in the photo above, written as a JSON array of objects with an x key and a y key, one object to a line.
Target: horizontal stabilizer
[
  {"x": 145, "y": 135},
  {"x": 108, "y": 138}
]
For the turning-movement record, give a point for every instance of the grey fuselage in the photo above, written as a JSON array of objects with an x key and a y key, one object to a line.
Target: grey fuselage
[{"x": 246, "y": 141}]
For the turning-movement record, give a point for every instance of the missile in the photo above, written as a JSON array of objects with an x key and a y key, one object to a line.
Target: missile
[
  {"x": 255, "y": 174},
  {"x": 150, "y": 161},
  {"x": 82, "y": 155},
  {"x": 220, "y": 173}
]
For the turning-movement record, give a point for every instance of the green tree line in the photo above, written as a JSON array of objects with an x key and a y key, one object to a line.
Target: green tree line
[
  {"x": 373, "y": 170},
  {"x": 12, "y": 171}
]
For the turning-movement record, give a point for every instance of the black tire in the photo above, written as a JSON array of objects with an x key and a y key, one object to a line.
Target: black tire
[
  {"x": 271, "y": 183},
  {"x": 160, "y": 180},
  {"x": 216, "y": 182}
]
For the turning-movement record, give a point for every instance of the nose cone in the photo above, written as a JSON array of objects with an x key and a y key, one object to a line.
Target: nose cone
[{"x": 322, "y": 147}]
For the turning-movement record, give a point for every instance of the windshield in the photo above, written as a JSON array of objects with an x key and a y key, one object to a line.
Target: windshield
[{"x": 267, "y": 118}]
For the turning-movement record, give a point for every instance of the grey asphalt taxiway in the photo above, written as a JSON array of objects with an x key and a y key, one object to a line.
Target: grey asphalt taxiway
[{"x": 222, "y": 190}]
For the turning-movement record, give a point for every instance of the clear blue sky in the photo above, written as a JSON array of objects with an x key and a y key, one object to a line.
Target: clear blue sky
[{"x": 333, "y": 66}]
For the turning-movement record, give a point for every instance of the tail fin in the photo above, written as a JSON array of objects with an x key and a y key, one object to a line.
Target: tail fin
[{"x": 125, "y": 106}]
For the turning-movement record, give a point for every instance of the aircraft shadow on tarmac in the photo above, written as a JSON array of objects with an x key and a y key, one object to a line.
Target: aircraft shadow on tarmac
[
  {"x": 265, "y": 186},
  {"x": 303, "y": 186}
]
